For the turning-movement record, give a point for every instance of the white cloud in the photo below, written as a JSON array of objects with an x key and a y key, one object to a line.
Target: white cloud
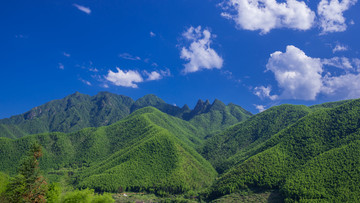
[
  {"x": 128, "y": 56},
  {"x": 152, "y": 34},
  {"x": 297, "y": 74},
  {"x": 85, "y": 81},
  {"x": 340, "y": 47},
  {"x": 264, "y": 92},
  {"x": 261, "y": 108},
  {"x": 154, "y": 76},
  {"x": 356, "y": 63},
  {"x": 199, "y": 54},
  {"x": 266, "y": 15},
  {"x": 345, "y": 86},
  {"x": 83, "y": 8},
  {"x": 331, "y": 17},
  {"x": 157, "y": 75},
  {"x": 302, "y": 77},
  {"x": 61, "y": 66},
  {"x": 124, "y": 78},
  {"x": 339, "y": 62}
]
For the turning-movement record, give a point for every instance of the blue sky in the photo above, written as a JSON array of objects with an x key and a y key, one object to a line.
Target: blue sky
[{"x": 252, "y": 53}]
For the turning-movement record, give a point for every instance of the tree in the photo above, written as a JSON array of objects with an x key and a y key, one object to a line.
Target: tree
[{"x": 29, "y": 185}]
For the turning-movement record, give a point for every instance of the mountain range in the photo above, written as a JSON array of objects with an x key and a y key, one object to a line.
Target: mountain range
[
  {"x": 112, "y": 143},
  {"x": 78, "y": 111}
]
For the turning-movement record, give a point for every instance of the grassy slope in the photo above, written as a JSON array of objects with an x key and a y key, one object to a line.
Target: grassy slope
[
  {"x": 292, "y": 148},
  {"x": 240, "y": 141},
  {"x": 148, "y": 135}
]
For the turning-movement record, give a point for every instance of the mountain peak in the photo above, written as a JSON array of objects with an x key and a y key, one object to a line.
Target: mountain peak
[
  {"x": 185, "y": 108},
  {"x": 201, "y": 107},
  {"x": 218, "y": 105}
]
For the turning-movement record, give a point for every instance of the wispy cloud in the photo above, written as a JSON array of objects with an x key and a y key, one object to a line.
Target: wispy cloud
[
  {"x": 264, "y": 92},
  {"x": 21, "y": 36},
  {"x": 61, "y": 66},
  {"x": 338, "y": 62},
  {"x": 199, "y": 54},
  {"x": 85, "y": 82},
  {"x": 260, "y": 108},
  {"x": 152, "y": 34},
  {"x": 83, "y": 8},
  {"x": 66, "y": 54},
  {"x": 340, "y": 47},
  {"x": 128, "y": 56},
  {"x": 157, "y": 75}
]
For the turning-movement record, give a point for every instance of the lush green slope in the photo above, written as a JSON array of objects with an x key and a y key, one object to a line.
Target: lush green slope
[
  {"x": 329, "y": 104},
  {"x": 241, "y": 141},
  {"x": 292, "y": 148},
  {"x": 332, "y": 177},
  {"x": 159, "y": 162},
  {"x": 147, "y": 140}
]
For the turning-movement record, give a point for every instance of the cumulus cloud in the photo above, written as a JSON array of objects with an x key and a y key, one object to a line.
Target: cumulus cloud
[
  {"x": 339, "y": 47},
  {"x": 124, "y": 78},
  {"x": 264, "y": 92},
  {"x": 330, "y": 14},
  {"x": 260, "y": 108},
  {"x": 83, "y": 8},
  {"x": 128, "y": 56},
  {"x": 265, "y": 15},
  {"x": 199, "y": 54},
  {"x": 302, "y": 77},
  {"x": 297, "y": 74}
]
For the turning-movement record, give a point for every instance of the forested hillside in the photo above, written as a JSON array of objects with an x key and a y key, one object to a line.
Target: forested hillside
[
  {"x": 242, "y": 140},
  {"x": 78, "y": 111},
  {"x": 281, "y": 161},
  {"x": 149, "y": 150},
  {"x": 300, "y": 153}
]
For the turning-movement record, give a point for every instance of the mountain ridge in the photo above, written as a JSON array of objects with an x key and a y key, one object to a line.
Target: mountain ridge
[{"x": 77, "y": 111}]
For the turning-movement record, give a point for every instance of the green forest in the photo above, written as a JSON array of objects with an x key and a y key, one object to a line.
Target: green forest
[{"x": 97, "y": 148}]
